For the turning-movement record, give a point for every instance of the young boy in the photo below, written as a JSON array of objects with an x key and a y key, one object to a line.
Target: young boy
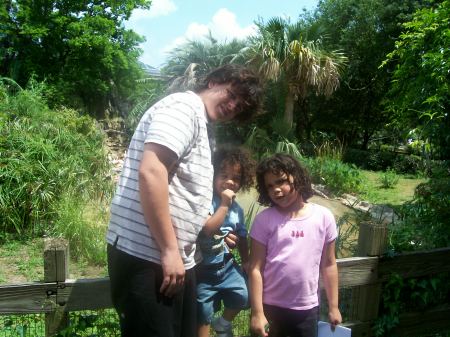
[{"x": 219, "y": 277}]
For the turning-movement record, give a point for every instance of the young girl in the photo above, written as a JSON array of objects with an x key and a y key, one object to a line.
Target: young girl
[
  {"x": 219, "y": 278},
  {"x": 291, "y": 241}
]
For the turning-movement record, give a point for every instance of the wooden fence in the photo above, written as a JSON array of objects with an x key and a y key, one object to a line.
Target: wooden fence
[{"x": 58, "y": 295}]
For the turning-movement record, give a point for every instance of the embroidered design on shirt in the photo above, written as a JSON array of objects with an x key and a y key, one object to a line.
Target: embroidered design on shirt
[{"x": 297, "y": 234}]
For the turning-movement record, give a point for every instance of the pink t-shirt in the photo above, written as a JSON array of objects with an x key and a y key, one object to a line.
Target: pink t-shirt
[{"x": 294, "y": 250}]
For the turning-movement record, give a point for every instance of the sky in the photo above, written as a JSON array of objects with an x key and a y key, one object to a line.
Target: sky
[{"x": 169, "y": 23}]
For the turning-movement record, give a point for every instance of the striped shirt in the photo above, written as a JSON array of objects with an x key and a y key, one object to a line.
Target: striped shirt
[{"x": 179, "y": 123}]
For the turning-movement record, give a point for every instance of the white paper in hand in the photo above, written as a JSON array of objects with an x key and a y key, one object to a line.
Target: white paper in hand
[{"x": 325, "y": 330}]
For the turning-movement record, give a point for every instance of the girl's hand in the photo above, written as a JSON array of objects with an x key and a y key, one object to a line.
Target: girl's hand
[
  {"x": 335, "y": 318},
  {"x": 259, "y": 324}
]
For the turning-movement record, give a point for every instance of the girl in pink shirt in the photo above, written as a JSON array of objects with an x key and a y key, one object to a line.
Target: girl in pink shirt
[{"x": 292, "y": 241}]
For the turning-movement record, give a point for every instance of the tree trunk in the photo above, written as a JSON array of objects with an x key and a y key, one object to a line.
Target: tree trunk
[{"x": 289, "y": 109}]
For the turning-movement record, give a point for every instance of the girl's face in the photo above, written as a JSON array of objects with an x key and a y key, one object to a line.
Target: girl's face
[
  {"x": 281, "y": 190},
  {"x": 229, "y": 177}
]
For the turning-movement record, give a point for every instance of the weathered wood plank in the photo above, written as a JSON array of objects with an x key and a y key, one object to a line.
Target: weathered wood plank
[
  {"x": 27, "y": 298},
  {"x": 357, "y": 271},
  {"x": 427, "y": 322},
  {"x": 415, "y": 264},
  {"x": 359, "y": 329},
  {"x": 85, "y": 294},
  {"x": 56, "y": 260}
]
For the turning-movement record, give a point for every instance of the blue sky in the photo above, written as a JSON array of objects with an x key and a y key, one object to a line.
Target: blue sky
[{"x": 170, "y": 22}]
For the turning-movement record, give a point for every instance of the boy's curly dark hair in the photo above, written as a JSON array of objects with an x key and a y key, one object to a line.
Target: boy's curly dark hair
[
  {"x": 245, "y": 83},
  {"x": 282, "y": 163},
  {"x": 231, "y": 155}
]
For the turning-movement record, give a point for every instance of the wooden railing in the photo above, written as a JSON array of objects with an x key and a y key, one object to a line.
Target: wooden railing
[{"x": 58, "y": 295}]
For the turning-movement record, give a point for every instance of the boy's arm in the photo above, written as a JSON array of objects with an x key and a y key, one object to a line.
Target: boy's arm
[
  {"x": 257, "y": 262},
  {"x": 329, "y": 271},
  {"x": 156, "y": 162},
  {"x": 213, "y": 222}
]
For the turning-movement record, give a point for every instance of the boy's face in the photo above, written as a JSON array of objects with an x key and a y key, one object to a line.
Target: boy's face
[
  {"x": 221, "y": 103},
  {"x": 280, "y": 189},
  {"x": 229, "y": 178}
]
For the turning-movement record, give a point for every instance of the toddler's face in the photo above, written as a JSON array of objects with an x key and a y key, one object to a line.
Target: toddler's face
[
  {"x": 229, "y": 177},
  {"x": 280, "y": 189}
]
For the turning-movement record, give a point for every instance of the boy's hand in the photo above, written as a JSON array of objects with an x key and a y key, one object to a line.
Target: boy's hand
[
  {"x": 231, "y": 240},
  {"x": 173, "y": 273},
  {"x": 227, "y": 197}
]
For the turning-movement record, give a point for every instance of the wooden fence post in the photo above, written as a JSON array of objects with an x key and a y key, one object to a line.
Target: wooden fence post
[
  {"x": 372, "y": 241},
  {"x": 56, "y": 269}
]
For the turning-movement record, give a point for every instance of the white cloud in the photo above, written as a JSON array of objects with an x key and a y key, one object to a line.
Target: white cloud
[
  {"x": 158, "y": 8},
  {"x": 223, "y": 27}
]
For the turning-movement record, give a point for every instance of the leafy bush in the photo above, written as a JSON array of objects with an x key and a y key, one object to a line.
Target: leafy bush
[
  {"x": 44, "y": 155},
  {"x": 337, "y": 176},
  {"x": 408, "y": 164},
  {"x": 424, "y": 221},
  {"x": 388, "y": 179}
]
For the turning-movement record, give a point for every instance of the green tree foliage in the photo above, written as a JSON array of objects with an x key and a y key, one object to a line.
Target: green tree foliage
[
  {"x": 80, "y": 48},
  {"x": 365, "y": 30},
  {"x": 420, "y": 95}
]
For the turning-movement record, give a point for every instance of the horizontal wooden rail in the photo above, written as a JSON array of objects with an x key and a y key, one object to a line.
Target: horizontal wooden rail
[
  {"x": 93, "y": 294},
  {"x": 28, "y": 298},
  {"x": 415, "y": 264}
]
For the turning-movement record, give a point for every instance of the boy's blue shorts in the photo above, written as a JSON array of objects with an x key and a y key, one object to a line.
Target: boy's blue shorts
[{"x": 225, "y": 282}]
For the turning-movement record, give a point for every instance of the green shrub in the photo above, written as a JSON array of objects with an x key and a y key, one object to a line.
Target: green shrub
[
  {"x": 381, "y": 160},
  {"x": 388, "y": 179},
  {"x": 45, "y": 154},
  {"x": 408, "y": 164},
  {"x": 424, "y": 221},
  {"x": 360, "y": 158},
  {"x": 335, "y": 175}
]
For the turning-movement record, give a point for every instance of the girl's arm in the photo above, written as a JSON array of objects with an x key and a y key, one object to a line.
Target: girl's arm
[
  {"x": 329, "y": 271},
  {"x": 213, "y": 223},
  {"x": 243, "y": 252},
  {"x": 257, "y": 262}
]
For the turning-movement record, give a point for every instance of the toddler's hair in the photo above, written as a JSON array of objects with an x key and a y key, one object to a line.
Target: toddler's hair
[
  {"x": 231, "y": 155},
  {"x": 280, "y": 163}
]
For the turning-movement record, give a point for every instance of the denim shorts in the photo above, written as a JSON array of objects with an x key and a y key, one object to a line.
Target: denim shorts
[{"x": 226, "y": 283}]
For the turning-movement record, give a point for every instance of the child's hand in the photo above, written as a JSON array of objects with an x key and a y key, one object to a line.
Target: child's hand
[
  {"x": 227, "y": 197},
  {"x": 335, "y": 318},
  {"x": 231, "y": 240},
  {"x": 259, "y": 325}
]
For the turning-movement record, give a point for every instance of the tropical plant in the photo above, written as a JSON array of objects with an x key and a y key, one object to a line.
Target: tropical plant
[
  {"x": 44, "y": 155},
  {"x": 194, "y": 58},
  {"x": 281, "y": 54}
]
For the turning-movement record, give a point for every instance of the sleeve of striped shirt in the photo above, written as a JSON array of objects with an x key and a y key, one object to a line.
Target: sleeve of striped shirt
[{"x": 173, "y": 126}]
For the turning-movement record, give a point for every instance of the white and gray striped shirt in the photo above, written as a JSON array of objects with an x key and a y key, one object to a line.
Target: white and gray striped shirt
[{"x": 179, "y": 123}]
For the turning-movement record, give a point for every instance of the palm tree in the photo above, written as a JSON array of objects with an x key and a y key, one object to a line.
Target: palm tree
[
  {"x": 191, "y": 60},
  {"x": 280, "y": 54}
]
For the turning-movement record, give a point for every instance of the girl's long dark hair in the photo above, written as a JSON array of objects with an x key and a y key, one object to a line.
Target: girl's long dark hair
[{"x": 280, "y": 163}]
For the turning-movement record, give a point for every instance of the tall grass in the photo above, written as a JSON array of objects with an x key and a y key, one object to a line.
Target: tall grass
[{"x": 47, "y": 159}]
